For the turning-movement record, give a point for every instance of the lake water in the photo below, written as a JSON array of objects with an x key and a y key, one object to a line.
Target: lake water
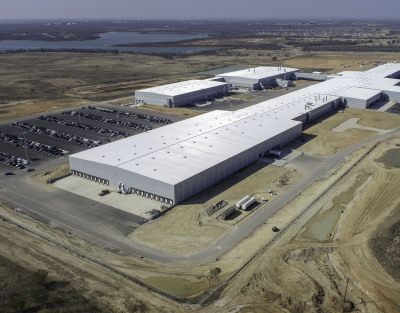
[{"x": 106, "y": 42}]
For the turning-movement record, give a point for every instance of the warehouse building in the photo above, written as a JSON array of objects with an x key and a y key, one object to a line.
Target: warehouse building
[
  {"x": 172, "y": 163},
  {"x": 182, "y": 93},
  {"x": 361, "y": 98},
  {"x": 256, "y": 78},
  {"x": 176, "y": 161}
]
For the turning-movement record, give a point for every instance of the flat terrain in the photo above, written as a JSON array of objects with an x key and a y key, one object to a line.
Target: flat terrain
[
  {"x": 197, "y": 228},
  {"x": 56, "y": 81},
  {"x": 307, "y": 269},
  {"x": 318, "y": 277},
  {"x": 340, "y": 228}
]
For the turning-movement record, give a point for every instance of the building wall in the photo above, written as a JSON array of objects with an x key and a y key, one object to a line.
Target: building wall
[
  {"x": 310, "y": 76},
  {"x": 114, "y": 176},
  {"x": 394, "y": 96},
  {"x": 152, "y": 98},
  {"x": 181, "y": 99},
  {"x": 200, "y": 181},
  {"x": 256, "y": 84},
  {"x": 361, "y": 103},
  {"x": 191, "y": 97}
]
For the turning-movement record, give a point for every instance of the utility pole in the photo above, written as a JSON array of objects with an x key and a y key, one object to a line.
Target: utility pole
[
  {"x": 26, "y": 151},
  {"x": 347, "y": 285}
]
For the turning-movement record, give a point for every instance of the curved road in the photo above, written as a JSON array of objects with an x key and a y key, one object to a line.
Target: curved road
[{"x": 73, "y": 213}]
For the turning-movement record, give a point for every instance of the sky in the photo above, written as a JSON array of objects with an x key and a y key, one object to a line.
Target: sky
[{"x": 198, "y": 9}]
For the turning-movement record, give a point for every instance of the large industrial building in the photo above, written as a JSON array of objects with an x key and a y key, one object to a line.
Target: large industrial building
[
  {"x": 182, "y": 93},
  {"x": 262, "y": 77},
  {"x": 172, "y": 163},
  {"x": 192, "y": 91}
]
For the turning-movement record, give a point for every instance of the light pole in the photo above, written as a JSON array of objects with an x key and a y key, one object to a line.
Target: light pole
[{"x": 26, "y": 151}]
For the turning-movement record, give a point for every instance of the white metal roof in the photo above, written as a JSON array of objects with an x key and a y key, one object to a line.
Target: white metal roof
[
  {"x": 183, "y": 87},
  {"x": 358, "y": 93},
  {"x": 259, "y": 72},
  {"x": 178, "y": 151}
]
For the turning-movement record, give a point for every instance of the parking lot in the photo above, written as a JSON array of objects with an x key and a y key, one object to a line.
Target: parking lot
[{"x": 35, "y": 140}]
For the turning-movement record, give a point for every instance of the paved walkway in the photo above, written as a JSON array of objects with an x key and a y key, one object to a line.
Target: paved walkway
[
  {"x": 129, "y": 203},
  {"x": 352, "y": 123}
]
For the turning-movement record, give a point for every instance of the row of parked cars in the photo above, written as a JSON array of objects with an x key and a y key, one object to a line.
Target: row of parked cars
[
  {"x": 12, "y": 160},
  {"x": 57, "y": 134},
  {"x": 107, "y": 120},
  {"x": 145, "y": 117},
  {"x": 83, "y": 126},
  {"x": 31, "y": 145}
]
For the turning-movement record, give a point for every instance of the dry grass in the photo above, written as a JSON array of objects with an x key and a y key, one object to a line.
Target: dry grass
[
  {"x": 52, "y": 173},
  {"x": 175, "y": 111},
  {"x": 325, "y": 142},
  {"x": 36, "y": 82},
  {"x": 196, "y": 229}
]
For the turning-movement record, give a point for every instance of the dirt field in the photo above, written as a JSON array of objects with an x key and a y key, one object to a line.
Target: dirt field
[
  {"x": 302, "y": 274},
  {"x": 44, "y": 176},
  {"x": 197, "y": 229},
  {"x": 345, "y": 236},
  {"x": 320, "y": 140}
]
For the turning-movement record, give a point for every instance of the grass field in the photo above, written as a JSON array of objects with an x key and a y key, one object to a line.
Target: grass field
[{"x": 39, "y": 82}]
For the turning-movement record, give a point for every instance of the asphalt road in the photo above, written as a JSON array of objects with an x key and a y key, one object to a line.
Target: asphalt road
[{"x": 108, "y": 226}]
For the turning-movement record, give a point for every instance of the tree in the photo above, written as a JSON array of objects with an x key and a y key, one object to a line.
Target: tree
[
  {"x": 40, "y": 276},
  {"x": 17, "y": 303}
]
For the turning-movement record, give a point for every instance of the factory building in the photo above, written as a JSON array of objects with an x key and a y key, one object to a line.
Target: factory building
[
  {"x": 256, "y": 78},
  {"x": 361, "y": 98},
  {"x": 310, "y": 76},
  {"x": 182, "y": 93},
  {"x": 172, "y": 163}
]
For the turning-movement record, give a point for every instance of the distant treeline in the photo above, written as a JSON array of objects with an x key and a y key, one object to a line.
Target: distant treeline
[
  {"x": 167, "y": 55},
  {"x": 359, "y": 48},
  {"x": 63, "y": 50},
  {"x": 323, "y": 43},
  {"x": 265, "y": 46}
]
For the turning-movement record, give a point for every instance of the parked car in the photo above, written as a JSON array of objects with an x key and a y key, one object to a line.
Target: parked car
[
  {"x": 8, "y": 173},
  {"x": 104, "y": 192}
]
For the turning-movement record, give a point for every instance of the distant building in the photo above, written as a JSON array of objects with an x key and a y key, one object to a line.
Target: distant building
[
  {"x": 182, "y": 93},
  {"x": 256, "y": 78}
]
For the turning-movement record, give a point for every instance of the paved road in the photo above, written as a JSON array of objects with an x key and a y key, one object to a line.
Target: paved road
[{"x": 108, "y": 227}]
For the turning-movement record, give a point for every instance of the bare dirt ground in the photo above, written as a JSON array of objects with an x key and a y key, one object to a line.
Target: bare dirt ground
[
  {"x": 112, "y": 293},
  {"x": 197, "y": 230},
  {"x": 298, "y": 273},
  {"x": 44, "y": 176},
  {"x": 304, "y": 270},
  {"x": 301, "y": 274},
  {"x": 320, "y": 139}
]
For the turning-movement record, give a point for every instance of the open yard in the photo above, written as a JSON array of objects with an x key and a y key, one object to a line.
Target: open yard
[{"x": 342, "y": 242}]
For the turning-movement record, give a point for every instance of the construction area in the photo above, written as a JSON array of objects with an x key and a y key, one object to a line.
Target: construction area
[{"x": 310, "y": 225}]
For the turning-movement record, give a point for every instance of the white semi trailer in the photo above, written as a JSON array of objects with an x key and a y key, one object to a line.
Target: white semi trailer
[
  {"x": 248, "y": 203},
  {"x": 242, "y": 201}
]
